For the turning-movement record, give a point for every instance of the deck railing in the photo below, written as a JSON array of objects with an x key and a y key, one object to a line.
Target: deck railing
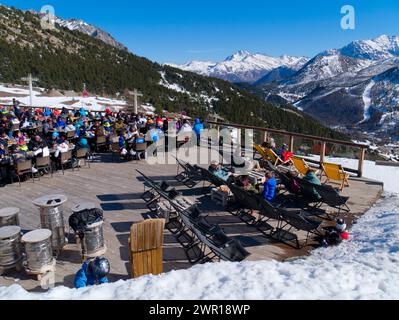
[{"x": 291, "y": 136}]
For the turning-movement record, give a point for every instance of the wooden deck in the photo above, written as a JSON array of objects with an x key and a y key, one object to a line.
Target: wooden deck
[{"x": 116, "y": 188}]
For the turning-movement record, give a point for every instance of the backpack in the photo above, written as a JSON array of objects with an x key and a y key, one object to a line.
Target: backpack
[{"x": 78, "y": 221}]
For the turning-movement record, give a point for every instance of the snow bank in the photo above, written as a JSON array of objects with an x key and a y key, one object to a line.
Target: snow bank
[
  {"x": 91, "y": 103},
  {"x": 366, "y": 267}
]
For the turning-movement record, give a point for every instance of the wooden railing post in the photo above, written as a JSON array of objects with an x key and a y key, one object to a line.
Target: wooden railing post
[
  {"x": 362, "y": 156},
  {"x": 322, "y": 152},
  {"x": 264, "y": 136},
  {"x": 292, "y": 143},
  {"x": 239, "y": 144}
]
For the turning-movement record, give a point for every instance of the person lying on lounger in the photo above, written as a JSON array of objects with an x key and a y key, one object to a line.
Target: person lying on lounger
[{"x": 216, "y": 169}]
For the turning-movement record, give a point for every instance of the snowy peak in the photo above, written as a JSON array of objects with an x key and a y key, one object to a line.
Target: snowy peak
[
  {"x": 380, "y": 48},
  {"x": 243, "y": 66},
  {"x": 238, "y": 56},
  {"x": 327, "y": 66},
  {"x": 86, "y": 28}
]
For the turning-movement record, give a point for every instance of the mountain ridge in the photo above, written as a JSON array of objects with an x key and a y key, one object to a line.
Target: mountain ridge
[
  {"x": 242, "y": 66},
  {"x": 354, "y": 86},
  {"x": 74, "y": 24}
]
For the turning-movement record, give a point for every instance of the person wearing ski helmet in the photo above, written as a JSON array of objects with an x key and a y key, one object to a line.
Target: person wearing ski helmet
[
  {"x": 335, "y": 235},
  {"x": 342, "y": 229},
  {"x": 93, "y": 272}
]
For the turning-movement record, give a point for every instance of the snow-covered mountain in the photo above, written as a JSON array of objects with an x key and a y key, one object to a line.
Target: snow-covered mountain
[
  {"x": 243, "y": 66},
  {"x": 327, "y": 66},
  {"x": 95, "y": 32},
  {"x": 86, "y": 28},
  {"x": 354, "y": 87},
  {"x": 381, "y": 48}
]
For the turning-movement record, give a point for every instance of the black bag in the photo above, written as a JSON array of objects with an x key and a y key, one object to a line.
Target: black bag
[
  {"x": 78, "y": 221},
  {"x": 333, "y": 238}
]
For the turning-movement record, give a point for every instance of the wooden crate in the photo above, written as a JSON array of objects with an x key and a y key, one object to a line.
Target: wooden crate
[{"x": 145, "y": 247}]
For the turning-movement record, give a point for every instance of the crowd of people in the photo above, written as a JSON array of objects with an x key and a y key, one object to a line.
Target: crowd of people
[{"x": 28, "y": 133}]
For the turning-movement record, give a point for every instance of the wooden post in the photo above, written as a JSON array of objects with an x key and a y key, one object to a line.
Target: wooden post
[
  {"x": 145, "y": 247},
  {"x": 362, "y": 156},
  {"x": 322, "y": 152},
  {"x": 264, "y": 136},
  {"x": 292, "y": 144},
  {"x": 239, "y": 139}
]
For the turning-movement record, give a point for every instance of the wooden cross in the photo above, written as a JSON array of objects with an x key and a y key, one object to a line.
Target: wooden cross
[
  {"x": 30, "y": 80},
  {"x": 135, "y": 94}
]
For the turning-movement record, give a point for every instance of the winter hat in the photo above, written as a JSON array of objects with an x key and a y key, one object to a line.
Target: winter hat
[{"x": 83, "y": 142}]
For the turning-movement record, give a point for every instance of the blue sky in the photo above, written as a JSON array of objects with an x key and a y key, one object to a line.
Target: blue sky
[{"x": 179, "y": 31}]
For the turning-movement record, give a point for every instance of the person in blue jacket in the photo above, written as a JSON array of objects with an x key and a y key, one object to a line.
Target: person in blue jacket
[
  {"x": 198, "y": 128},
  {"x": 270, "y": 186},
  {"x": 47, "y": 112},
  {"x": 93, "y": 272}
]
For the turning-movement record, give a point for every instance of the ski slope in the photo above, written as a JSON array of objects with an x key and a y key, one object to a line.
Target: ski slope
[{"x": 367, "y": 101}]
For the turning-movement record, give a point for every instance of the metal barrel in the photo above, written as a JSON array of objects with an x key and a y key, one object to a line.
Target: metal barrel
[
  {"x": 93, "y": 239},
  {"x": 9, "y": 217},
  {"x": 38, "y": 249},
  {"x": 52, "y": 218},
  {"x": 10, "y": 245}
]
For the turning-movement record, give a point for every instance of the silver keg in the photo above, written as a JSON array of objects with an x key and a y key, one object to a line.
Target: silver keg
[
  {"x": 9, "y": 217},
  {"x": 93, "y": 239},
  {"x": 10, "y": 245},
  {"x": 38, "y": 249},
  {"x": 52, "y": 218}
]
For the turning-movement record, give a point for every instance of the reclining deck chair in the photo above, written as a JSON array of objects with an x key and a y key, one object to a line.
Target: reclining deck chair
[
  {"x": 335, "y": 172},
  {"x": 151, "y": 195},
  {"x": 295, "y": 220},
  {"x": 301, "y": 165},
  {"x": 209, "y": 177},
  {"x": 190, "y": 176},
  {"x": 251, "y": 202},
  {"x": 269, "y": 154},
  {"x": 332, "y": 198}
]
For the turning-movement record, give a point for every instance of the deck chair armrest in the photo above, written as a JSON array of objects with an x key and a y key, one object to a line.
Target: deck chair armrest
[{"x": 293, "y": 210}]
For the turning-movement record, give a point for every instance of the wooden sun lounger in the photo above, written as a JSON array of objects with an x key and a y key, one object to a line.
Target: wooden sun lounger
[
  {"x": 269, "y": 154},
  {"x": 336, "y": 173}
]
